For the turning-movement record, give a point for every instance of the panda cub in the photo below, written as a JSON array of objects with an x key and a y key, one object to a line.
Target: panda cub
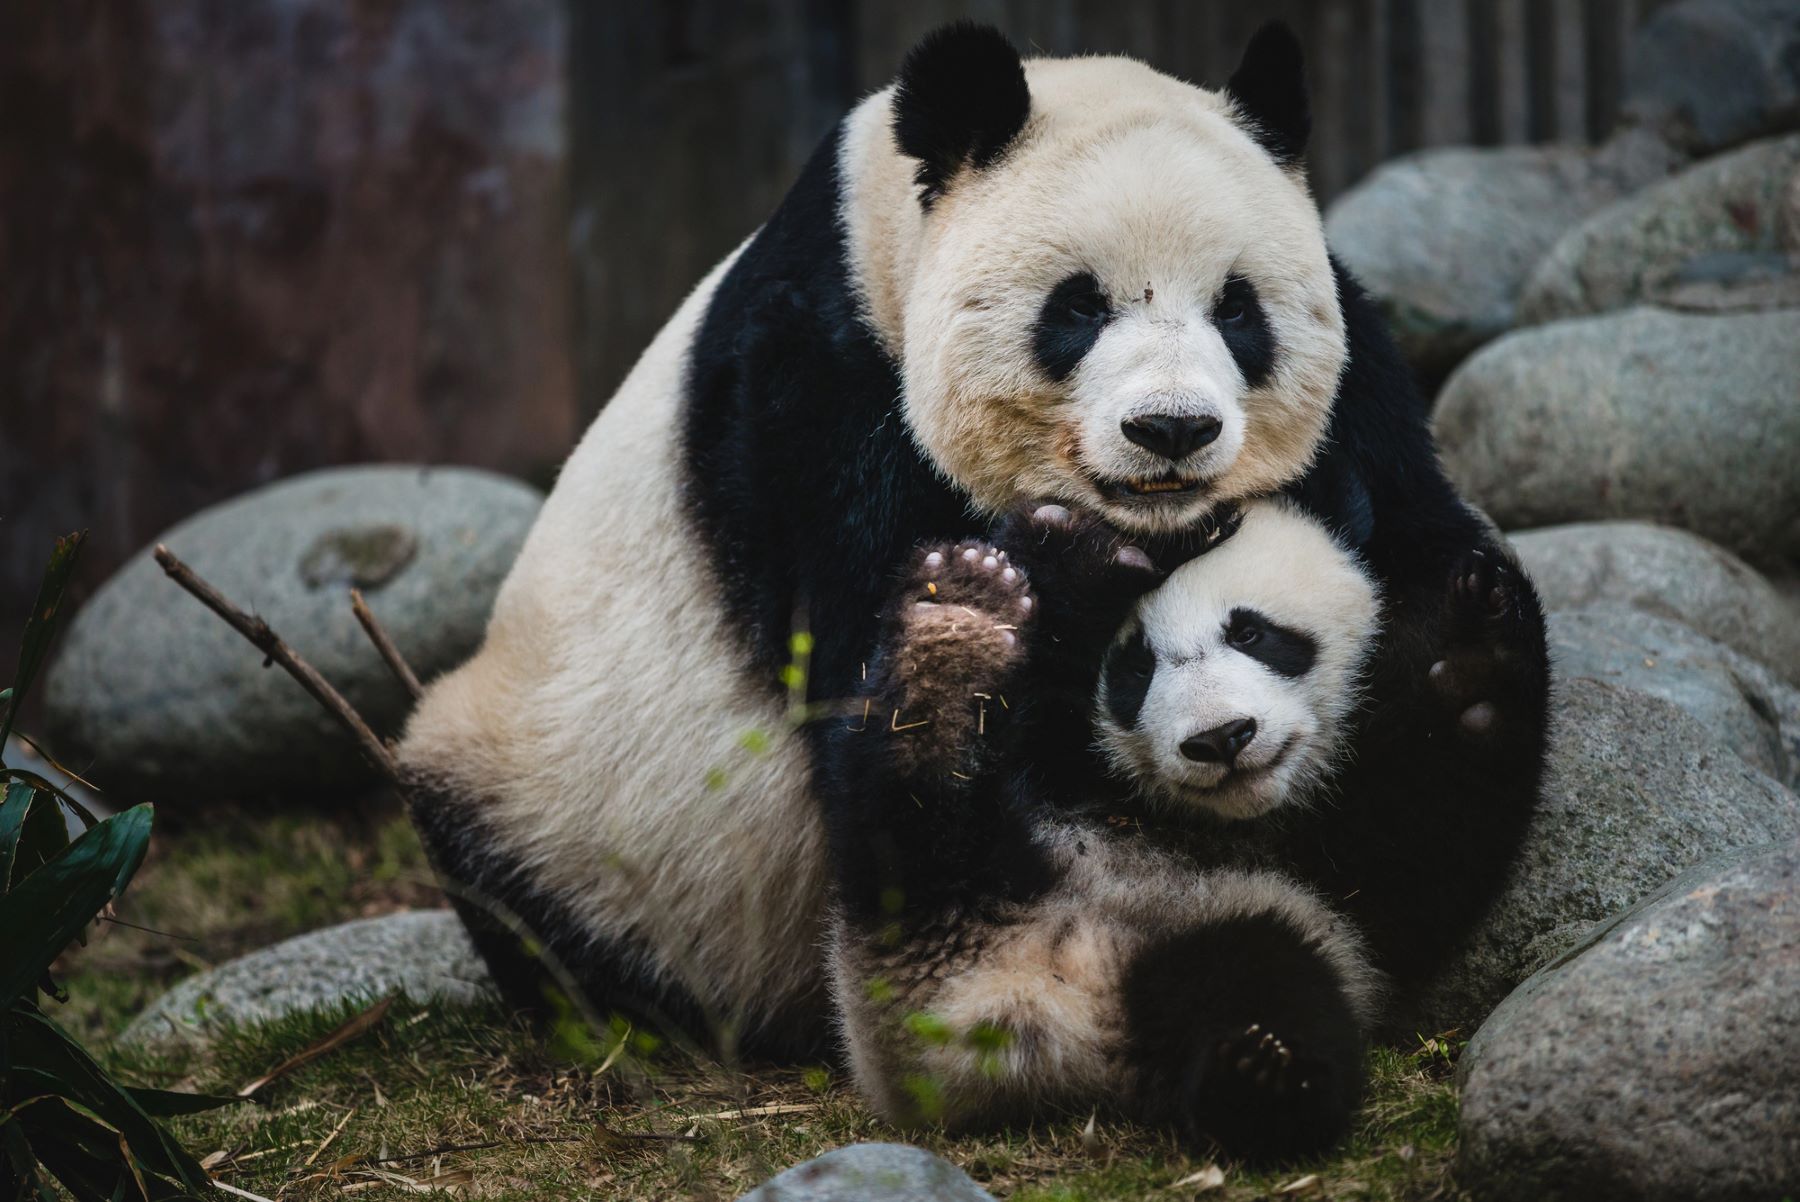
[{"x": 998, "y": 946}]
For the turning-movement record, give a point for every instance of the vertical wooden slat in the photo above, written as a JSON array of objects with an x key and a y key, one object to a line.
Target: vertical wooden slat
[
  {"x": 1485, "y": 128},
  {"x": 1405, "y": 76},
  {"x": 1540, "y": 71},
  {"x": 1444, "y": 73},
  {"x": 1604, "y": 45},
  {"x": 1511, "y": 77},
  {"x": 1571, "y": 83}
]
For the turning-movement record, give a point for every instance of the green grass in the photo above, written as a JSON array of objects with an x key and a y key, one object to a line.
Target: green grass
[
  {"x": 425, "y": 1080},
  {"x": 217, "y": 886}
]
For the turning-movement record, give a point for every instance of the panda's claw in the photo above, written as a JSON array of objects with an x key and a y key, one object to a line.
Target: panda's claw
[{"x": 975, "y": 578}]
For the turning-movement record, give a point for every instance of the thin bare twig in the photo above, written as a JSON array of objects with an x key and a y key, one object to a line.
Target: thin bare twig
[
  {"x": 389, "y": 652},
  {"x": 270, "y": 644}
]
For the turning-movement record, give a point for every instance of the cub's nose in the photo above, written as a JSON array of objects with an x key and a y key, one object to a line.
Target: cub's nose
[
  {"x": 1169, "y": 435},
  {"x": 1221, "y": 744}
]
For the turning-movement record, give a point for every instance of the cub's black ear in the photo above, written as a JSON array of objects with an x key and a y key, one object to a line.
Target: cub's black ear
[
  {"x": 1269, "y": 87},
  {"x": 961, "y": 98}
]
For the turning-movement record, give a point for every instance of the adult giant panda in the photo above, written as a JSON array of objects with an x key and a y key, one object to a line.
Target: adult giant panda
[{"x": 1073, "y": 279}]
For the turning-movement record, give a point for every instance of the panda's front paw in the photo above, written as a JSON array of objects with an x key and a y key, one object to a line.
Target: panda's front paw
[
  {"x": 1080, "y": 562},
  {"x": 1485, "y": 653}
]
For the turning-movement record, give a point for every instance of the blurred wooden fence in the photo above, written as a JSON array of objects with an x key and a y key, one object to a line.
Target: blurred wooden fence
[
  {"x": 690, "y": 117},
  {"x": 245, "y": 238}
]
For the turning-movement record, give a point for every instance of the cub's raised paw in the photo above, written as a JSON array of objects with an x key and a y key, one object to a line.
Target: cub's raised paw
[
  {"x": 1262, "y": 1098},
  {"x": 958, "y": 638},
  {"x": 1483, "y": 658},
  {"x": 973, "y": 586}
]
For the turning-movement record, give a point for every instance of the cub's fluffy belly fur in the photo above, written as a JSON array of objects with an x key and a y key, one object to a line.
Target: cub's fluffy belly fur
[
  {"x": 1030, "y": 1004},
  {"x": 565, "y": 769}
]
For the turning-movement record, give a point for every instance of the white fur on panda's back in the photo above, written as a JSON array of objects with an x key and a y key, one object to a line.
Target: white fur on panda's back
[{"x": 608, "y": 688}]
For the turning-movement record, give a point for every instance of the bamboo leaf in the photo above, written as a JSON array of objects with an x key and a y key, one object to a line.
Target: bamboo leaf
[
  {"x": 13, "y": 810},
  {"x": 40, "y": 627},
  {"x": 46, "y": 1061},
  {"x": 42, "y": 914},
  {"x": 163, "y": 1103}
]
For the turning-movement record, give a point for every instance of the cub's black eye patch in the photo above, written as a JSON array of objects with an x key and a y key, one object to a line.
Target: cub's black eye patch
[
  {"x": 1129, "y": 668},
  {"x": 1069, "y": 324},
  {"x": 1281, "y": 649},
  {"x": 1242, "y": 323}
]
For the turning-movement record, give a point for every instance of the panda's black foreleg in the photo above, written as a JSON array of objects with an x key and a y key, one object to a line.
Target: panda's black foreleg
[
  {"x": 1449, "y": 760},
  {"x": 913, "y": 778},
  {"x": 1088, "y": 576},
  {"x": 1494, "y": 671}
]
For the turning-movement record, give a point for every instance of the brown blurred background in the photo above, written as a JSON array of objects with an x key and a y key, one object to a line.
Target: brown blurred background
[{"x": 244, "y": 238}]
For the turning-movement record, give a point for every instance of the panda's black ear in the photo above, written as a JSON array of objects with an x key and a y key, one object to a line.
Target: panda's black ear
[
  {"x": 1269, "y": 87},
  {"x": 961, "y": 98}
]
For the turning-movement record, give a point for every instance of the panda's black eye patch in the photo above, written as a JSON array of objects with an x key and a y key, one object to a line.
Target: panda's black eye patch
[
  {"x": 1128, "y": 670},
  {"x": 1281, "y": 649},
  {"x": 1242, "y": 323},
  {"x": 1069, "y": 324}
]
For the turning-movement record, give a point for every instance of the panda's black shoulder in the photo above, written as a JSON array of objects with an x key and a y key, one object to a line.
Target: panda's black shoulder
[
  {"x": 1377, "y": 481},
  {"x": 799, "y": 473}
]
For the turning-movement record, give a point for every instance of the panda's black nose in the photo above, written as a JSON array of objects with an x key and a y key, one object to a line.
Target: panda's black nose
[
  {"x": 1221, "y": 744},
  {"x": 1170, "y": 435}
]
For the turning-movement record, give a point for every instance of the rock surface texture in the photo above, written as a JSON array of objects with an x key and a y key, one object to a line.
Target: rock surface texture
[
  {"x": 1660, "y": 1063},
  {"x": 1638, "y": 792},
  {"x": 1669, "y": 573},
  {"x": 425, "y": 954},
  {"x": 1444, "y": 239},
  {"x": 871, "y": 1173},
  {"x": 1683, "y": 419},
  {"x": 1720, "y": 236},
  {"x": 1745, "y": 705},
  {"x": 164, "y": 700}
]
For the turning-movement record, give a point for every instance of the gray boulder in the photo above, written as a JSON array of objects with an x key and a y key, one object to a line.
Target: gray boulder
[
  {"x": 1638, "y": 791},
  {"x": 425, "y": 954},
  {"x": 166, "y": 701},
  {"x": 871, "y": 1173},
  {"x": 1444, "y": 239},
  {"x": 1745, "y": 705},
  {"x": 1661, "y": 1063},
  {"x": 1708, "y": 74},
  {"x": 1719, "y": 236},
  {"x": 1677, "y": 418},
  {"x": 1670, "y": 573}
]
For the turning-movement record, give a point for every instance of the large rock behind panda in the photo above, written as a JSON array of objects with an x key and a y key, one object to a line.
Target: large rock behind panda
[{"x": 158, "y": 698}]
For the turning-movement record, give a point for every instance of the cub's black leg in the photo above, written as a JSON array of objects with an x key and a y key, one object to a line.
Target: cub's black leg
[{"x": 1247, "y": 1034}]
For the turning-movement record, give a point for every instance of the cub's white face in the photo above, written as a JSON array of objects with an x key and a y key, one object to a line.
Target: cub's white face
[
  {"x": 1132, "y": 310},
  {"x": 1230, "y": 688}
]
